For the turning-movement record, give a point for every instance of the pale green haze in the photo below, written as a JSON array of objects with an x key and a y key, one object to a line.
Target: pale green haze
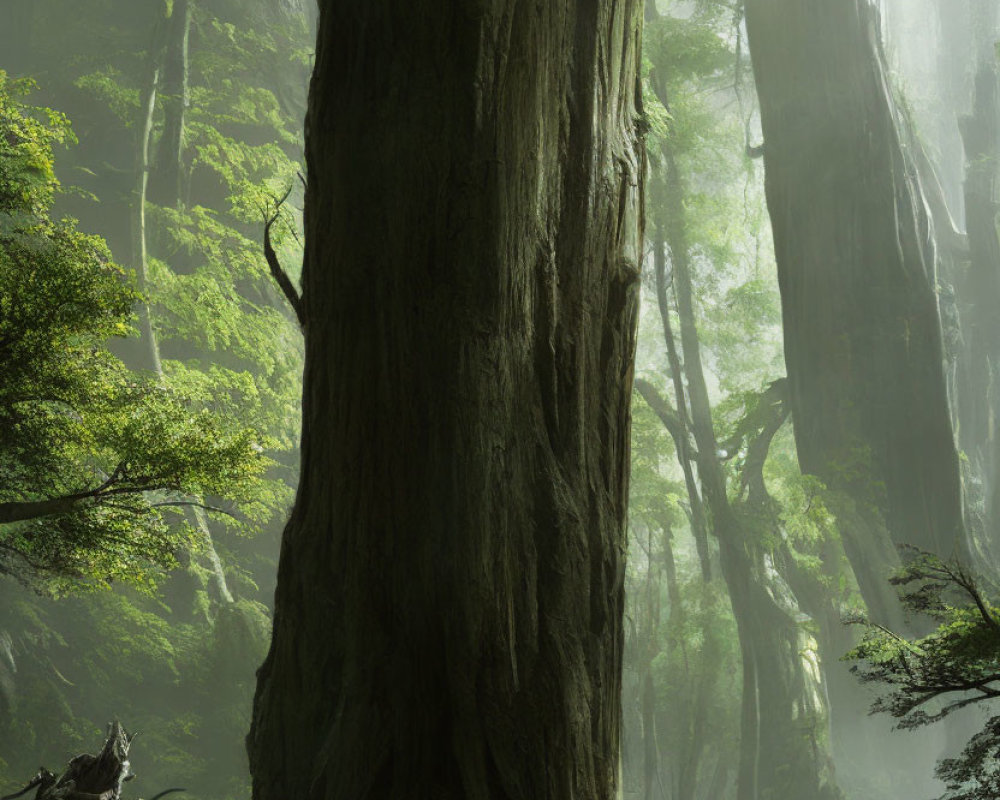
[{"x": 499, "y": 400}]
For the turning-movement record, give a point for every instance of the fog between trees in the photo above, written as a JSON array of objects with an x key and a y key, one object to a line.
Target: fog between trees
[{"x": 648, "y": 397}]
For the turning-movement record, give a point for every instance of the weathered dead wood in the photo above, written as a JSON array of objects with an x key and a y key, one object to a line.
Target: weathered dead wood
[{"x": 89, "y": 777}]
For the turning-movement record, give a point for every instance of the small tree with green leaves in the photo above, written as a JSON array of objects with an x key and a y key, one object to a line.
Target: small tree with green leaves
[
  {"x": 954, "y": 666},
  {"x": 93, "y": 457}
]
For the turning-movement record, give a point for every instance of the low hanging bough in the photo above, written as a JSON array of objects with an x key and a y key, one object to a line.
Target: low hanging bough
[{"x": 88, "y": 777}]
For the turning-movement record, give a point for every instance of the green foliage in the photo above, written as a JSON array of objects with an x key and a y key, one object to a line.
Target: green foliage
[
  {"x": 184, "y": 686},
  {"x": 682, "y": 49},
  {"x": 803, "y": 507},
  {"x": 76, "y": 426},
  {"x": 217, "y": 309},
  {"x": 177, "y": 660},
  {"x": 107, "y": 86},
  {"x": 706, "y": 199},
  {"x": 681, "y": 636},
  {"x": 27, "y": 180},
  {"x": 954, "y": 666},
  {"x": 654, "y": 494},
  {"x": 225, "y": 332}
]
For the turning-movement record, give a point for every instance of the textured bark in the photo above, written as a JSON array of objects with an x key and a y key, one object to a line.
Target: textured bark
[
  {"x": 863, "y": 342},
  {"x": 450, "y": 591},
  {"x": 34, "y": 509}
]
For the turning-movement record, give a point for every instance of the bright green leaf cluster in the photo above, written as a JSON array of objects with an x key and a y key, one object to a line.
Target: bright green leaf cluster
[{"x": 91, "y": 454}]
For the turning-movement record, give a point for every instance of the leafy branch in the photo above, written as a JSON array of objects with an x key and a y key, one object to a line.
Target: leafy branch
[{"x": 955, "y": 666}]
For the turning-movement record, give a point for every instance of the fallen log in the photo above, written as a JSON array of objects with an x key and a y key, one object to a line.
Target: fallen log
[{"x": 89, "y": 777}]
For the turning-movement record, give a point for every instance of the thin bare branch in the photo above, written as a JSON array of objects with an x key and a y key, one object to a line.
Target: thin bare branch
[
  {"x": 277, "y": 272},
  {"x": 194, "y": 504}
]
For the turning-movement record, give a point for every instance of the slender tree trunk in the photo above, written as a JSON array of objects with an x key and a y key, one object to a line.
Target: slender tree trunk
[
  {"x": 720, "y": 778},
  {"x": 166, "y": 180},
  {"x": 650, "y": 647},
  {"x": 863, "y": 342},
  {"x": 670, "y": 572},
  {"x": 699, "y": 524},
  {"x": 781, "y": 754},
  {"x": 140, "y": 256},
  {"x": 650, "y": 753},
  {"x": 448, "y": 617},
  {"x": 688, "y": 711},
  {"x": 693, "y": 745}
]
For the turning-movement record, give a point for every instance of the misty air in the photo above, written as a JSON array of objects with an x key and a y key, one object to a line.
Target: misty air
[{"x": 498, "y": 400}]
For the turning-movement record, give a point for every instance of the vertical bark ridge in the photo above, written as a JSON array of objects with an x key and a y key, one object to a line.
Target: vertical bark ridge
[{"x": 456, "y": 550}]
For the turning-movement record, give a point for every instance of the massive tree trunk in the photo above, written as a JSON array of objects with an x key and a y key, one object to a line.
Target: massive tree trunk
[
  {"x": 863, "y": 341},
  {"x": 783, "y": 719},
  {"x": 862, "y": 325},
  {"x": 979, "y": 300},
  {"x": 450, "y": 592}
]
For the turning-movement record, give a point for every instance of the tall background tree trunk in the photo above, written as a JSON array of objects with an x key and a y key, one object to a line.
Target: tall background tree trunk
[
  {"x": 863, "y": 342},
  {"x": 149, "y": 358},
  {"x": 979, "y": 297},
  {"x": 448, "y": 611},
  {"x": 166, "y": 180},
  {"x": 857, "y": 268}
]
